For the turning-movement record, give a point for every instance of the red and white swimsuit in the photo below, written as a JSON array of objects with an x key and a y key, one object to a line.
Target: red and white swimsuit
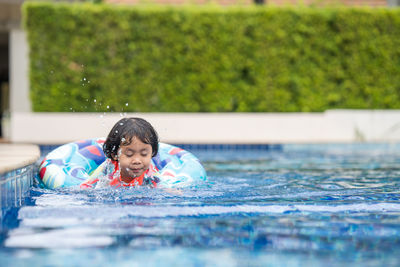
[{"x": 110, "y": 170}]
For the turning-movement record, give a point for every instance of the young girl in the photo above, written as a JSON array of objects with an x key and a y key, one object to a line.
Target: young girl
[{"x": 129, "y": 148}]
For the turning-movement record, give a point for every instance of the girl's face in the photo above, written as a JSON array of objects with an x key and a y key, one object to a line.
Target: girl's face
[{"x": 134, "y": 159}]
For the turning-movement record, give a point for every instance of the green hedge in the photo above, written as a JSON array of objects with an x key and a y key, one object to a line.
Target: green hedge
[{"x": 86, "y": 57}]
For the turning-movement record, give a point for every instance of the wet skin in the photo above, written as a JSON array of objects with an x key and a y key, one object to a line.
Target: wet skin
[{"x": 134, "y": 159}]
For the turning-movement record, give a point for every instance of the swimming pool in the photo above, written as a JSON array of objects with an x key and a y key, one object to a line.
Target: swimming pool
[{"x": 300, "y": 205}]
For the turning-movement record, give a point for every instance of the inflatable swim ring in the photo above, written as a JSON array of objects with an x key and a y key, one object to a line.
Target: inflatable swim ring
[{"x": 72, "y": 163}]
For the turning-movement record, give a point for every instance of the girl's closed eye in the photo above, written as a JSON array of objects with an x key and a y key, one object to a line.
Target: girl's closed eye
[{"x": 128, "y": 153}]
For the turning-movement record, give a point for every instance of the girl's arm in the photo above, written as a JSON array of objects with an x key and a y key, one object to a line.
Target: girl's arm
[{"x": 94, "y": 177}]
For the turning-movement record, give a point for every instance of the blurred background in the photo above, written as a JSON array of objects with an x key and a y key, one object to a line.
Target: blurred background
[{"x": 29, "y": 85}]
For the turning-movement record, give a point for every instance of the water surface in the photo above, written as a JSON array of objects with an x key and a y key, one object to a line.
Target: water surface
[{"x": 303, "y": 205}]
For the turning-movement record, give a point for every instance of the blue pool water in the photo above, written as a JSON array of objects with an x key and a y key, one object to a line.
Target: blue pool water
[{"x": 301, "y": 205}]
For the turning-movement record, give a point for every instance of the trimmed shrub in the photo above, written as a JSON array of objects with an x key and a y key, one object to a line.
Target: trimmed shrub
[{"x": 86, "y": 57}]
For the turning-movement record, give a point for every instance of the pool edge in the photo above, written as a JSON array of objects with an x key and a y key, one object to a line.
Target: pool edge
[{"x": 17, "y": 170}]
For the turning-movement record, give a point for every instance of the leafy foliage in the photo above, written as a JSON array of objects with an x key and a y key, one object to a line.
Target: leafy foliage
[{"x": 85, "y": 57}]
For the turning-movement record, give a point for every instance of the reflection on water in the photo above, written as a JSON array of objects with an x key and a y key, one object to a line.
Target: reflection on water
[{"x": 304, "y": 205}]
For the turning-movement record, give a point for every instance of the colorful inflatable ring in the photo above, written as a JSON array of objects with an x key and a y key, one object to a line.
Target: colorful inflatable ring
[{"x": 72, "y": 163}]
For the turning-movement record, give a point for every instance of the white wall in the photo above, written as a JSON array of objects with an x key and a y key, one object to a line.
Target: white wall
[
  {"x": 19, "y": 82},
  {"x": 19, "y": 66},
  {"x": 334, "y": 126}
]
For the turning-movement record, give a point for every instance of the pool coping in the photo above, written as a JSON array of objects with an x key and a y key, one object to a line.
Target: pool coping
[{"x": 16, "y": 156}]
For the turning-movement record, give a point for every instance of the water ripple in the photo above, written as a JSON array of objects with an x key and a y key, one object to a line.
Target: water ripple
[{"x": 337, "y": 203}]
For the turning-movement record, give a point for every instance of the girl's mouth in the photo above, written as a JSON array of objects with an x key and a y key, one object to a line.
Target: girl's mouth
[{"x": 135, "y": 170}]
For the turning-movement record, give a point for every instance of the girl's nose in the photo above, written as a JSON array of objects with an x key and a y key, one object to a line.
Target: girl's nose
[{"x": 135, "y": 160}]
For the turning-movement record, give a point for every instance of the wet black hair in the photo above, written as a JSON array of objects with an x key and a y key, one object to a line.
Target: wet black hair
[{"x": 123, "y": 132}]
